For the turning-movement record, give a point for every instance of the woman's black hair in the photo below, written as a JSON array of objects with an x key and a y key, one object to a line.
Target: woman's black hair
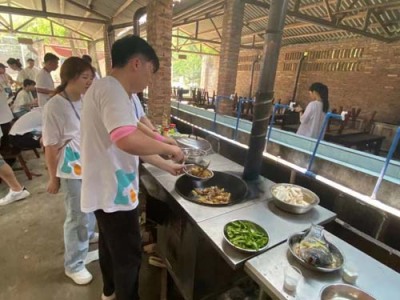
[
  {"x": 323, "y": 92},
  {"x": 13, "y": 61}
]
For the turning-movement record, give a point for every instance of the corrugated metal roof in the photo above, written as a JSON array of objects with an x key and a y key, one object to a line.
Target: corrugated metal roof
[{"x": 310, "y": 23}]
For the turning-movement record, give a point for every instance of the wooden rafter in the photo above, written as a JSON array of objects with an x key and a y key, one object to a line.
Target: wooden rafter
[
  {"x": 88, "y": 10},
  {"x": 215, "y": 27},
  {"x": 24, "y": 24}
]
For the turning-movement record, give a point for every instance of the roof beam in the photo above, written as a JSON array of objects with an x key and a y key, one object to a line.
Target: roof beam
[
  {"x": 87, "y": 9},
  {"x": 378, "y": 18},
  {"x": 39, "y": 13},
  {"x": 25, "y": 23},
  {"x": 368, "y": 6},
  {"x": 207, "y": 16},
  {"x": 323, "y": 22},
  {"x": 71, "y": 29},
  {"x": 122, "y": 8},
  {"x": 215, "y": 27},
  {"x": 48, "y": 35},
  {"x": 204, "y": 40},
  {"x": 44, "y": 6}
]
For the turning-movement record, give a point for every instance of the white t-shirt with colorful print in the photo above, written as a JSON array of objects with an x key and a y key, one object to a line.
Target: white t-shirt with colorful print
[
  {"x": 110, "y": 180},
  {"x": 61, "y": 128}
]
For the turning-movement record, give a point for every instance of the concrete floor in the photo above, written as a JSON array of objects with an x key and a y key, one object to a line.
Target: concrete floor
[{"x": 31, "y": 248}]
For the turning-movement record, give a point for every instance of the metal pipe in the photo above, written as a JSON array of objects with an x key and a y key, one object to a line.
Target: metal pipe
[
  {"x": 385, "y": 166},
  {"x": 271, "y": 123},
  {"x": 256, "y": 60},
  {"x": 136, "y": 17},
  {"x": 264, "y": 95},
  {"x": 328, "y": 116},
  {"x": 238, "y": 114}
]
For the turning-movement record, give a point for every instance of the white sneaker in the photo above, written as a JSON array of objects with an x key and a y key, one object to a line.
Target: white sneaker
[
  {"x": 14, "y": 196},
  {"x": 104, "y": 297},
  {"x": 81, "y": 277},
  {"x": 94, "y": 239},
  {"x": 92, "y": 256}
]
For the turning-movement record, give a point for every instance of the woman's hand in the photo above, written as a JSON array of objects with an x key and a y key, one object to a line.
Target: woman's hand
[
  {"x": 170, "y": 141},
  {"x": 175, "y": 169},
  {"x": 53, "y": 186}
]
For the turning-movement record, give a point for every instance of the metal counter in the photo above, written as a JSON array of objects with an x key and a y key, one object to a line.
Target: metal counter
[
  {"x": 373, "y": 277},
  {"x": 279, "y": 225}
]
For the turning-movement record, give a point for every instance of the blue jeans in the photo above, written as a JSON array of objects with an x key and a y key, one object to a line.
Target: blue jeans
[{"x": 78, "y": 227}]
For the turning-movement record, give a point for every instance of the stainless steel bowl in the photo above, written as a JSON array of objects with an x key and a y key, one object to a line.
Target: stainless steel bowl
[
  {"x": 298, "y": 237},
  {"x": 193, "y": 155},
  {"x": 342, "y": 291},
  {"x": 309, "y": 197},
  {"x": 187, "y": 169},
  {"x": 244, "y": 249}
]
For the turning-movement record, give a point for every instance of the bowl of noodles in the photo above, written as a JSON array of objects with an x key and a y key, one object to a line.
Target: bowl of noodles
[{"x": 293, "y": 198}]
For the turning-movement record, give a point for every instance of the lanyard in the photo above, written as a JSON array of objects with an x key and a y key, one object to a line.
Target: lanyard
[
  {"x": 73, "y": 107},
  {"x": 136, "y": 110}
]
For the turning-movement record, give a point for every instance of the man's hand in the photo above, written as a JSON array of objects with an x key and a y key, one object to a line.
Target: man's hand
[
  {"x": 53, "y": 186},
  {"x": 170, "y": 141}
]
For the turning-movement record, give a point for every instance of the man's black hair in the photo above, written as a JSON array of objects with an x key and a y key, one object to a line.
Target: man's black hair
[
  {"x": 87, "y": 58},
  {"x": 50, "y": 57},
  {"x": 129, "y": 46},
  {"x": 28, "y": 82}
]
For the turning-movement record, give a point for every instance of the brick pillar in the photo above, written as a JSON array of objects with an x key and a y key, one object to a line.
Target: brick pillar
[
  {"x": 159, "y": 36},
  {"x": 109, "y": 37},
  {"x": 230, "y": 47}
]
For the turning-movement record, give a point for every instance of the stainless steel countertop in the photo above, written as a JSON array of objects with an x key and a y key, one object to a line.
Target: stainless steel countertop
[
  {"x": 373, "y": 277},
  {"x": 279, "y": 225},
  {"x": 197, "y": 212}
]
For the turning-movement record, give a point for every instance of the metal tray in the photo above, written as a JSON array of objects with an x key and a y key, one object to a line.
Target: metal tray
[
  {"x": 297, "y": 237},
  {"x": 342, "y": 291},
  {"x": 311, "y": 197},
  {"x": 232, "y": 184},
  {"x": 244, "y": 249}
]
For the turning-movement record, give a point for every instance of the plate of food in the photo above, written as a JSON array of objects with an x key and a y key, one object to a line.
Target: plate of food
[
  {"x": 293, "y": 198},
  {"x": 246, "y": 236},
  {"x": 340, "y": 291},
  {"x": 220, "y": 190},
  {"x": 198, "y": 172},
  {"x": 314, "y": 252}
]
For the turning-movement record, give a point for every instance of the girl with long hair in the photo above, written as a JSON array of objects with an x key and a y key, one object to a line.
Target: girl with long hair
[
  {"x": 61, "y": 138},
  {"x": 313, "y": 117},
  {"x": 16, "y": 65}
]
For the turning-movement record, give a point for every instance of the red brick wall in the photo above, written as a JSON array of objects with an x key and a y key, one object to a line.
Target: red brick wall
[
  {"x": 159, "y": 35},
  {"x": 359, "y": 73}
]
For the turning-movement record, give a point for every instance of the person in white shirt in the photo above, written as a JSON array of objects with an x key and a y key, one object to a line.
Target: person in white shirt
[
  {"x": 31, "y": 71},
  {"x": 88, "y": 59},
  {"x": 17, "y": 191},
  {"x": 5, "y": 81},
  {"x": 61, "y": 138},
  {"x": 110, "y": 147},
  {"x": 44, "y": 81},
  {"x": 16, "y": 65},
  {"x": 313, "y": 117},
  {"x": 26, "y": 132},
  {"x": 24, "y": 100}
]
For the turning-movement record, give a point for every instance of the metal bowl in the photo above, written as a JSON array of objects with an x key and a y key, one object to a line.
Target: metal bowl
[
  {"x": 309, "y": 197},
  {"x": 342, "y": 291},
  {"x": 193, "y": 155},
  {"x": 298, "y": 237},
  {"x": 244, "y": 249},
  {"x": 188, "y": 171}
]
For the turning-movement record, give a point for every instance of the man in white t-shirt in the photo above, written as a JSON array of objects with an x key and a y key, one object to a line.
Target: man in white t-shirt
[
  {"x": 24, "y": 100},
  {"x": 27, "y": 130},
  {"x": 44, "y": 81},
  {"x": 31, "y": 71},
  {"x": 110, "y": 146}
]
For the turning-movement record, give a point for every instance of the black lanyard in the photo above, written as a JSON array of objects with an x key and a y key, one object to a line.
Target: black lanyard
[{"x": 73, "y": 107}]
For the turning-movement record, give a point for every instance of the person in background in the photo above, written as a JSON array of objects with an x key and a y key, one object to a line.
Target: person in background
[
  {"x": 16, "y": 65},
  {"x": 31, "y": 71},
  {"x": 61, "y": 138},
  {"x": 23, "y": 99},
  {"x": 17, "y": 191},
  {"x": 145, "y": 124},
  {"x": 313, "y": 117},
  {"x": 44, "y": 81},
  {"x": 5, "y": 81},
  {"x": 26, "y": 132},
  {"x": 88, "y": 59},
  {"x": 110, "y": 147}
]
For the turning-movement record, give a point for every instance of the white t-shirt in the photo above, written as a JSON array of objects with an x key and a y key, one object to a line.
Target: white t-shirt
[
  {"x": 21, "y": 76},
  {"x": 5, "y": 112},
  {"x": 61, "y": 127},
  {"x": 23, "y": 99},
  {"x": 138, "y": 108},
  {"x": 110, "y": 180},
  {"x": 312, "y": 120},
  {"x": 44, "y": 80},
  {"x": 31, "y": 73},
  {"x": 29, "y": 122}
]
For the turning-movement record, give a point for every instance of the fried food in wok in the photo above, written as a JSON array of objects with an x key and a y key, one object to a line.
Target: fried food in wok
[{"x": 212, "y": 195}]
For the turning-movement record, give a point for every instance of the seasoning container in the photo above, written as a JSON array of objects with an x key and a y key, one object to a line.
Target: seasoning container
[
  {"x": 172, "y": 129},
  {"x": 349, "y": 273},
  {"x": 166, "y": 131}
]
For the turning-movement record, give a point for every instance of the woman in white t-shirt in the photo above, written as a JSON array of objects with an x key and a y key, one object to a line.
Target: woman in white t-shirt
[
  {"x": 61, "y": 137},
  {"x": 16, "y": 65},
  {"x": 313, "y": 117}
]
